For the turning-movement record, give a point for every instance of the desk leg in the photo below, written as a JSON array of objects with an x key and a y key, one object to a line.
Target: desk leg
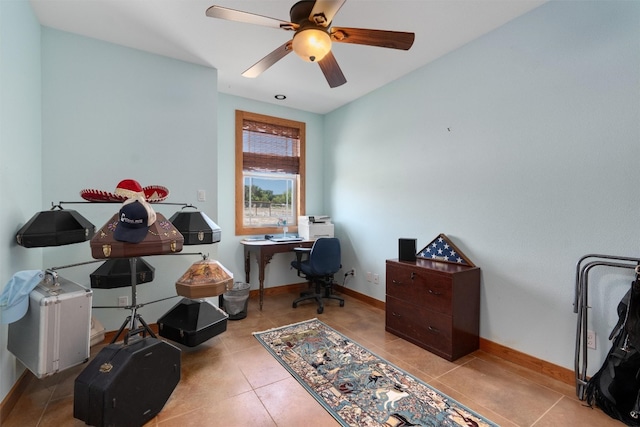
[
  {"x": 247, "y": 265},
  {"x": 247, "y": 270},
  {"x": 264, "y": 253},
  {"x": 264, "y": 257},
  {"x": 261, "y": 265}
]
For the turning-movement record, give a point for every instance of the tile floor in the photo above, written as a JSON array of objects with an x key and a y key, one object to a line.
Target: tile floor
[{"x": 231, "y": 380}]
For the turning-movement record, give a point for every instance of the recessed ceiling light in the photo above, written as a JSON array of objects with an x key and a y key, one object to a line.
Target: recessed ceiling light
[{"x": 280, "y": 97}]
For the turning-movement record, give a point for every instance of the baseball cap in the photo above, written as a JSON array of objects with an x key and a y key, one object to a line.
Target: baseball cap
[
  {"x": 134, "y": 219},
  {"x": 14, "y": 300}
]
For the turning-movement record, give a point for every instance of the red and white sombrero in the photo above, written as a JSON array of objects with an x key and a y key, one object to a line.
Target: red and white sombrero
[{"x": 127, "y": 189}]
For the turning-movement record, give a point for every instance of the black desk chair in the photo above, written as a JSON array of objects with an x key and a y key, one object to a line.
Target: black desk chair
[{"x": 323, "y": 261}]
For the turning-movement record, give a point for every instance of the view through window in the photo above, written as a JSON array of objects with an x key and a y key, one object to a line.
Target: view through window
[{"x": 269, "y": 173}]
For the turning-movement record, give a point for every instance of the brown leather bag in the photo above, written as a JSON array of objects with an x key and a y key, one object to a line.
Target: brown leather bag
[{"x": 162, "y": 238}]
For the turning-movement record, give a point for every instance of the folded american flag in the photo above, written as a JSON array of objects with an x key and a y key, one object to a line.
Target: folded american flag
[{"x": 441, "y": 249}]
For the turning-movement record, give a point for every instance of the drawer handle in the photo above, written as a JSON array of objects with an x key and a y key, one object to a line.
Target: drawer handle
[
  {"x": 396, "y": 282},
  {"x": 434, "y": 330},
  {"x": 413, "y": 275},
  {"x": 396, "y": 314},
  {"x": 432, "y": 292}
]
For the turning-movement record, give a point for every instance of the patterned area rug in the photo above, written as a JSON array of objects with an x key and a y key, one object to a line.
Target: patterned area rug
[{"x": 357, "y": 387}]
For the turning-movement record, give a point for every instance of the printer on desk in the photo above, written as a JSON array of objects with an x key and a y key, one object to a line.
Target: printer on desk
[{"x": 313, "y": 227}]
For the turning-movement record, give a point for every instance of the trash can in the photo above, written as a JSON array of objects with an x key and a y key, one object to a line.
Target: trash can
[{"x": 235, "y": 300}]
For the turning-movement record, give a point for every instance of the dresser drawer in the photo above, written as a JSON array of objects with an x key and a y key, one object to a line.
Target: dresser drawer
[
  {"x": 435, "y": 305},
  {"x": 419, "y": 286},
  {"x": 425, "y": 328}
]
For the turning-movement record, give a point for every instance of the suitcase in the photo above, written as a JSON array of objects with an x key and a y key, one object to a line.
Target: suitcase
[
  {"x": 192, "y": 322},
  {"x": 55, "y": 332},
  {"x": 163, "y": 238},
  {"x": 196, "y": 227},
  {"x": 55, "y": 228},
  {"x": 206, "y": 278},
  {"x": 127, "y": 385},
  {"x": 116, "y": 273}
]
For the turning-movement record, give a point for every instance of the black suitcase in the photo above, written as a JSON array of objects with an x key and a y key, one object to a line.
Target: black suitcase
[
  {"x": 116, "y": 273},
  {"x": 127, "y": 385},
  {"x": 55, "y": 228},
  {"x": 192, "y": 322}
]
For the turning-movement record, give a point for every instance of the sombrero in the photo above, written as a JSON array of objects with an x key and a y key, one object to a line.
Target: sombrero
[{"x": 127, "y": 189}]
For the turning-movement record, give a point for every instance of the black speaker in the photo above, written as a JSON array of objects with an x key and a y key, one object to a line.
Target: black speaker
[{"x": 407, "y": 249}]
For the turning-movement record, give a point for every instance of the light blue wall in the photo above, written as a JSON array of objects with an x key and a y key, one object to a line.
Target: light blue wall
[
  {"x": 523, "y": 148},
  {"x": 20, "y": 159},
  {"x": 230, "y": 252},
  {"x": 110, "y": 113}
]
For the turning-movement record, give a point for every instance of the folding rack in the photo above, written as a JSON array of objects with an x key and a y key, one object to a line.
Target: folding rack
[{"x": 581, "y": 304}]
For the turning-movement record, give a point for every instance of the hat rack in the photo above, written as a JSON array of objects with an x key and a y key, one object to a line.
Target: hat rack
[
  {"x": 190, "y": 322},
  {"x": 185, "y": 222},
  {"x": 134, "y": 321},
  {"x": 59, "y": 205}
]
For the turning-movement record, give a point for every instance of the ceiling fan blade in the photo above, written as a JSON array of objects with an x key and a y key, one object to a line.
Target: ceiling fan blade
[
  {"x": 248, "y": 18},
  {"x": 331, "y": 70},
  {"x": 261, "y": 66},
  {"x": 380, "y": 38},
  {"x": 324, "y": 10}
]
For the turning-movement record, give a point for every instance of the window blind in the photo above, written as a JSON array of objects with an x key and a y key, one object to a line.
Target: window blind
[{"x": 270, "y": 148}]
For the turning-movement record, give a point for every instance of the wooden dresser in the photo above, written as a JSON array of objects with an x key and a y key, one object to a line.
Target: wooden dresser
[{"x": 435, "y": 305}]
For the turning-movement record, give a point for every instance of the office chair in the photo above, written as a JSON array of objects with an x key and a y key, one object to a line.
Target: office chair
[{"x": 323, "y": 261}]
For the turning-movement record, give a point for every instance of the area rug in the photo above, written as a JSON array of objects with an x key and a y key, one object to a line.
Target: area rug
[{"x": 357, "y": 387}]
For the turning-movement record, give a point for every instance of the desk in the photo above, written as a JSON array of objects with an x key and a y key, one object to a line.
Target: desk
[{"x": 264, "y": 251}]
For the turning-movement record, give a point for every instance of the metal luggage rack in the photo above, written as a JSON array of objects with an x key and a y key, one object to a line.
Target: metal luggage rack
[
  {"x": 134, "y": 321},
  {"x": 581, "y": 304}
]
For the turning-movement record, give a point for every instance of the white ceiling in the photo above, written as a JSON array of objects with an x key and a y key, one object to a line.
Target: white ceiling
[{"x": 180, "y": 29}]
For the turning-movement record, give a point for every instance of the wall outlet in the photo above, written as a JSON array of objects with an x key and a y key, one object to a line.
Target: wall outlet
[
  {"x": 591, "y": 340},
  {"x": 376, "y": 279},
  {"x": 351, "y": 272},
  {"x": 123, "y": 301},
  {"x": 369, "y": 277}
]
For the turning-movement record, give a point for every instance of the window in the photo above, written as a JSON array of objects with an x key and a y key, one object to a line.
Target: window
[{"x": 270, "y": 164}]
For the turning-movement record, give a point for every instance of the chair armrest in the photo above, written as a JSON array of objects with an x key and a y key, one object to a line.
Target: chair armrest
[{"x": 299, "y": 252}]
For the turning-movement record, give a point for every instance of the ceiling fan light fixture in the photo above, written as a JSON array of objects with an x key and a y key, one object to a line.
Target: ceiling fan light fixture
[{"x": 311, "y": 44}]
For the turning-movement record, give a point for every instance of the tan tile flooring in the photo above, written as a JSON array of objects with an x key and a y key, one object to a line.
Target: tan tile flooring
[{"x": 231, "y": 380}]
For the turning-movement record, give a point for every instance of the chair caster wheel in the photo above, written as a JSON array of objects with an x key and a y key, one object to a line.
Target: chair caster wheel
[
  {"x": 320, "y": 310},
  {"x": 341, "y": 303},
  {"x": 294, "y": 305}
]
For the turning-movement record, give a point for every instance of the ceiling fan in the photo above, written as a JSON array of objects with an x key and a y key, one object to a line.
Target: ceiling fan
[{"x": 313, "y": 35}]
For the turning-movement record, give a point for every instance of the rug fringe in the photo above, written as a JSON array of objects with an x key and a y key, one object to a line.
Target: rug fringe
[{"x": 285, "y": 326}]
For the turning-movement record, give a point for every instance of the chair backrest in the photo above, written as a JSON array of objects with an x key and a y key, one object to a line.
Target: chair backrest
[{"x": 325, "y": 257}]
